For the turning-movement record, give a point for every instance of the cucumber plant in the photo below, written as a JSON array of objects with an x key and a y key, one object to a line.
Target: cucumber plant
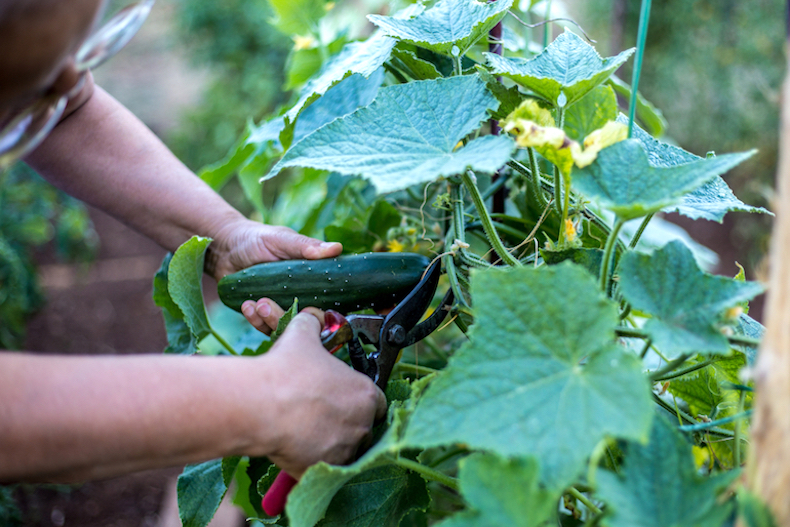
[{"x": 594, "y": 371}]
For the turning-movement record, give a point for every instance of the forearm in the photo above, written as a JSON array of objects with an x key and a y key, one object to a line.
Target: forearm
[
  {"x": 103, "y": 155},
  {"x": 68, "y": 419}
]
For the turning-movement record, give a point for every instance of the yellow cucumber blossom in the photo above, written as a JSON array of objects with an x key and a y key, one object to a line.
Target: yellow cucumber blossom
[
  {"x": 611, "y": 133},
  {"x": 570, "y": 230},
  {"x": 395, "y": 246}
]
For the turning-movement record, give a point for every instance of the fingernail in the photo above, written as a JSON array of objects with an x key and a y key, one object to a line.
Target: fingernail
[
  {"x": 248, "y": 309},
  {"x": 327, "y": 245},
  {"x": 264, "y": 309}
]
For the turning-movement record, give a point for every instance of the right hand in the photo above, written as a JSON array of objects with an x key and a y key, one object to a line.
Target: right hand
[{"x": 324, "y": 408}]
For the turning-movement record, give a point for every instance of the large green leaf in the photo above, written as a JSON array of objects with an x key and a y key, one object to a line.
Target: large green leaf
[
  {"x": 591, "y": 113},
  {"x": 370, "y": 491},
  {"x": 185, "y": 276},
  {"x": 541, "y": 375},
  {"x": 179, "y": 337},
  {"x": 363, "y": 58},
  {"x": 711, "y": 201},
  {"x": 503, "y": 493},
  {"x": 660, "y": 487},
  {"x": 568, "y": 66},
  {"x": 406, "y": 61},
  {"x": 448, "y": 24},
  {"x": 622, "y": 180},
  {"x": 685, "y": 302},
  {"x": 200, "y": 490},
  {"x": 408, "y": 135}
]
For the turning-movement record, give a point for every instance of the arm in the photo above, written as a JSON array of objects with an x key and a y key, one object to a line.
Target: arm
[
  {"x": 75, "y": 418},
  {"x": 103, "y": 155}
]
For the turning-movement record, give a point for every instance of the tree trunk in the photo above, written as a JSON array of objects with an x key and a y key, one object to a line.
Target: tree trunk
[{"x": 769, "y": 460}]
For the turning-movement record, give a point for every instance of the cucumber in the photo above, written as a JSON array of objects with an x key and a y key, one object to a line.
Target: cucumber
[{"x": 345, "y": 284}]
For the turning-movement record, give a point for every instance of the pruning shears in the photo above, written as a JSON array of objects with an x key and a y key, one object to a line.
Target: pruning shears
[{"x": 390, "y": 334}]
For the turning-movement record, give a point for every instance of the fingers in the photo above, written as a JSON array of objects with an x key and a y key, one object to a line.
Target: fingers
[
  {"x": 288, "y": 244},
  {"x": 263, "y": 314}
]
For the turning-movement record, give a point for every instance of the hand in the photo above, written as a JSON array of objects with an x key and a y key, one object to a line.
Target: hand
[
  {"x": 325, "y": 408},
  {"x": 242, "y": 243}
]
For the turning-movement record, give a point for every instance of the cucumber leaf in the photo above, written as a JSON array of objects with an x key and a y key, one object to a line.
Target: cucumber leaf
[
  {"x": 364, "y": 58},
  {"x": 710, "y": 201},
  {"x": 408, "y": 135},
  {"x": 660, "y": 486},
  {"x": 685, "y": 302},
  {"x": 622, "y": 180},
  {"x": 179, "y": 337},
  {"x": 503, "y": 493},
  {"x": 568, "y": 66},
  {"x": 591, "y": 113},
  {"x": 200, "y": 489},
  {"x": 409, "y": 63},
  {"x": 381, "y": 497},
  {"x": 448, "y": 24},
  {"x": 538, "y": 377},
  {"x": 185, "y": 285},
  {"x": 326, "y": 489}
]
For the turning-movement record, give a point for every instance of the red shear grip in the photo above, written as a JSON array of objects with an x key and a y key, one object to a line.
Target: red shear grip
[{"x": 274, "y": 501}]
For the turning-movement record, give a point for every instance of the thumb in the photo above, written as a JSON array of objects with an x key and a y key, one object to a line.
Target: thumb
[
  {"x": 290, "y": 245},
  {"x": 303, "y": 330}
]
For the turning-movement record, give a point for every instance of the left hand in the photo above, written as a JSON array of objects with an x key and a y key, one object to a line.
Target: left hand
[{"x": 243, "y": 243}]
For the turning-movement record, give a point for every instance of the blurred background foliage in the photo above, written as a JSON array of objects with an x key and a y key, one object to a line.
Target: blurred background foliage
[{"x": 715, "y": 68}]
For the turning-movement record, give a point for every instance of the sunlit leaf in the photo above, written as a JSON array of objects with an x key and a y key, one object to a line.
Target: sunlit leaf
[
  {"x": 448, "y": 24},
  {"x": 408, "y": 135},
  {"x": 591, "y": 113},
  {"x": 179, "y": 337},
  {"x": 710, "y": 201},
  {"x": 623, "y": 181},
  {"x": 568, "y": 66}
]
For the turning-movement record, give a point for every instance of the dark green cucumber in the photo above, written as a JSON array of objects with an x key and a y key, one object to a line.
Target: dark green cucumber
[{"x": 345, "y": 284}]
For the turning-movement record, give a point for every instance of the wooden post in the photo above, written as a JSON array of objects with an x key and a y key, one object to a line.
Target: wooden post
[{"x": 768, "y": 470}]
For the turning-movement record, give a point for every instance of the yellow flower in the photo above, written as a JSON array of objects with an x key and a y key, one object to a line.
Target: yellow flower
[
  {"x": 570, "y": 230},
  {"x": 303, "y": 42},
  {"x": 394, "y": 246},
  {"x": 599, "y": 139}
]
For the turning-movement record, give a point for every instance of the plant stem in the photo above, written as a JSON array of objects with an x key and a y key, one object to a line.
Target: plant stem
[
  {"x": 634, "y": 333},
  {"x": 223, "y": 342},
  {"x": 722, "y": 432},
  {"x": 737, "y": 454},
  {"x": 491, "y": 189},
  {"x": 684, "y": 371},
  {"x": 537, "y": 191},
  {"x": 669, "y": 367},
  {"x": 744, "y": 340},
  {"x": 547, "y": 27},
  {"x": 608, "y": 251},
  {"x": 485, "y": 219},
  {"x": 427, "y": 472},
  {"x": 648, "y": 343},
  {"x": 640, "y": 231},
  {"x": 644, "y": 19},
  {"x": 584, "y": 499},
  {"x": 449, "y": 454},
  {"x": 452, "y": 277},
  {"x": 408, "y": 367},
  {"x": 457, "y": 67},
  {"x": 712, "y": 424}
]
